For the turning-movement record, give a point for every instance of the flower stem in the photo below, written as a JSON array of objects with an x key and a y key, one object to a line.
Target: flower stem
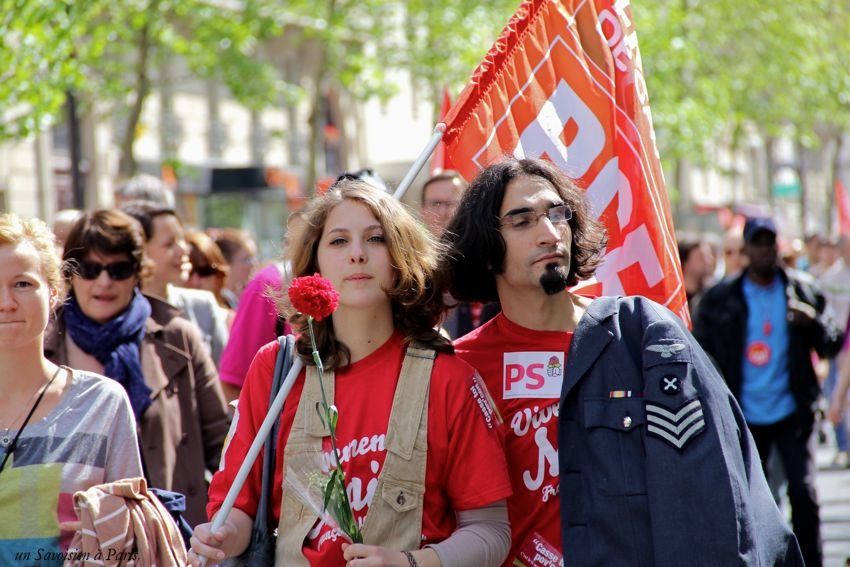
[{"x": 355, "y": 536}]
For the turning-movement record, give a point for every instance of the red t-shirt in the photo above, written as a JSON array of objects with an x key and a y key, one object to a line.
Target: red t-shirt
[
  {"x": 465, "y": 469},
  {"x": 524, "y": 370}
]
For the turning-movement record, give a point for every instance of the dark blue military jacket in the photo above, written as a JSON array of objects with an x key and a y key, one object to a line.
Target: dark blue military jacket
[{"x": 657, "y": 466}]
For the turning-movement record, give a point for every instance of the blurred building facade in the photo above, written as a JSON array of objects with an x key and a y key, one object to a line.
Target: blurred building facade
[{"x": 779, "y": 177}]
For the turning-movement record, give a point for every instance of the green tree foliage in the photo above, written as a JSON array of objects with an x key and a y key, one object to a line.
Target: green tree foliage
[
  {"x": 37, "y": 63},
  {"x": 447, "y": 40},
  {"x": 107, "y": 50},
  {"x": 361, "y": 42},
  {"x": 712, "y": 66},
  {"x": 716, "y": 65}
]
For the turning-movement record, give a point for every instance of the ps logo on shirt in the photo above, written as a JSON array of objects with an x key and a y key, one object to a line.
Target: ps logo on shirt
[{"x": 532, "y": 374}]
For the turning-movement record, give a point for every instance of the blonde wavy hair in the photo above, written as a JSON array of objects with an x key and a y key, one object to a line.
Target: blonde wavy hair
[
  {"x": 417, "y": 304},
  {"x": 15, "y": 230}
]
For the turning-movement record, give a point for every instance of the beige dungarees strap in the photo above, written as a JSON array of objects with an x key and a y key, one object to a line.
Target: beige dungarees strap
[{"x": 394, "y": 519}]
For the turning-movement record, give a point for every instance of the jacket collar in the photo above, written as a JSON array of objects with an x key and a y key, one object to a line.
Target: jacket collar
[
  {"x": 591, "y": 336},
  {"x": 161, "y": 313},
  {"x": 787, "y": 281},
  {"x": 739, "y": 279}
]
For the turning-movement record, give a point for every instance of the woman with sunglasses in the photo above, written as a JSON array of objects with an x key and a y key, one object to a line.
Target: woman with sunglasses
[
  {"x": 61, "y": 430},
  {"x": 107, "y": 326}
]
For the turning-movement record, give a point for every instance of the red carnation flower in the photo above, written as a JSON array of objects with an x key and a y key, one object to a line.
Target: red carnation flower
[{"x": 314, "y": 296}]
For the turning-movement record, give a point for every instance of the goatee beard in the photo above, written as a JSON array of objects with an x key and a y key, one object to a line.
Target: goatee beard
[{"x": 554, "y": 279}]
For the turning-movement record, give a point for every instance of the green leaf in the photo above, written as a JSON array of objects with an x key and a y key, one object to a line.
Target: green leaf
[{"x": 329, "y": 489}]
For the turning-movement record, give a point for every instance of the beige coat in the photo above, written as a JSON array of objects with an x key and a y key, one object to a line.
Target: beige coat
[{"x": 183, "y": 430}]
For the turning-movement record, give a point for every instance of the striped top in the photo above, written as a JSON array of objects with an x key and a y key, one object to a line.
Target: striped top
[{"x": 89, "y": 438}]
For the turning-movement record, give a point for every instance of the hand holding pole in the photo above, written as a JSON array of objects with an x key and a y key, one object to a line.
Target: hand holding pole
[{"x": 256, "y": 445}]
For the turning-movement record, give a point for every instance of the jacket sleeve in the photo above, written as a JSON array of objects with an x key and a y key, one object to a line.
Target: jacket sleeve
[
  {"x": 209, "y": 399},
  {"x": 707, "y": 494},
  {"x": 219, "y": 331}
]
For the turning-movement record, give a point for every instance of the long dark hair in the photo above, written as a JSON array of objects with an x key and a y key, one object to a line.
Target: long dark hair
[{"x": 476, "y": 249}]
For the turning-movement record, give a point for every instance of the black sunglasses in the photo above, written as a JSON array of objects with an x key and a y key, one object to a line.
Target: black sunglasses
[{"x": 117, "y": 271}]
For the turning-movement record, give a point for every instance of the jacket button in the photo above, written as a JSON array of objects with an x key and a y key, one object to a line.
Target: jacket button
[
  {"x": 401, "y": 499},
  {"x": 191, "y": 491},
  {"x": 627, "y": 422}
]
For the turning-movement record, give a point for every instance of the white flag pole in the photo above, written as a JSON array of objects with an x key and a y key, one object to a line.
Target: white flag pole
[
  {"x": 405, "y": 184},
  {"x": 256, "y": 445},
  {"x": 297, "y": 364}
]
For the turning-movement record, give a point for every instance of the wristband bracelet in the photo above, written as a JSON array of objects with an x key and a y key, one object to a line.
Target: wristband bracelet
[{"x": 410, "y": 559}]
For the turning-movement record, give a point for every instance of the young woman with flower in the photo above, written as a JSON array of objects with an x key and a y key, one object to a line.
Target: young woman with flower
[{"x": 415, "y": 435}]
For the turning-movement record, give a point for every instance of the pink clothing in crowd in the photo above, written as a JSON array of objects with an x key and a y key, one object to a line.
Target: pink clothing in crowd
[{"x": 256, "y": 324}]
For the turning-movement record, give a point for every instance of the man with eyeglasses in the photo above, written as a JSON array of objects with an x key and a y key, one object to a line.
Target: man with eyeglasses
[
  {"x": 625, "y": 446},
  {"x": 440, "y": 197}
]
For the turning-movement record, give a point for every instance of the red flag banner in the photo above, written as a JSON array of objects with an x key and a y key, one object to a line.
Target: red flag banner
[
  {"x": 564, "y": 82},
  {"x": 842, "y": 205}
]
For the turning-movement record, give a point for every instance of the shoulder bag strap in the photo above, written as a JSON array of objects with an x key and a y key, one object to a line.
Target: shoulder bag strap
[{"x": 281, "y": 368}]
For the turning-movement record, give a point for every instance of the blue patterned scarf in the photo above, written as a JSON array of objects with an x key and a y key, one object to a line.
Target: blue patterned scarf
[{"x": 116, "y": 345}]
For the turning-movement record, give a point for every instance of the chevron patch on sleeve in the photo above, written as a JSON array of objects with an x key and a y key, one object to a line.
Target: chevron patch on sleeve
[{"x": 676, "y": 426}]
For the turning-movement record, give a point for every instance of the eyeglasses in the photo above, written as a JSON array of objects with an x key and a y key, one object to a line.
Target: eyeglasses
[
  {"x": 117, "y": 271},
  {"x": 437, "y": 204},
  {"x": 528, "y": 219},
  {"x": 204, "y": 271}
]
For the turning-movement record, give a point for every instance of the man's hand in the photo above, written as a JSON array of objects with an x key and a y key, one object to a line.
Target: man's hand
[{"x": 800, "y": 313}]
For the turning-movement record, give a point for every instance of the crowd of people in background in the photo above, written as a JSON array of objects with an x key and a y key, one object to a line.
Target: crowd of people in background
[
  {"x": 175, "y": 317},
  {"x": 773, "y": 313},
  {"x": 707, "y": 260}
]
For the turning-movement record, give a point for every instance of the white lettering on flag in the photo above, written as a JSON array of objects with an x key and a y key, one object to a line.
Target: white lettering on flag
[{"x": 543, "y": 137}]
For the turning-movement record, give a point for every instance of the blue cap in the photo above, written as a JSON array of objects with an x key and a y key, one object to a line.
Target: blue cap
[{"x": 754, "y": 225}]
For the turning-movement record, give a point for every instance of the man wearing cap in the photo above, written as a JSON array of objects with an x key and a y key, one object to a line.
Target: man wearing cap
[{"x": 761, "y": 328}]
